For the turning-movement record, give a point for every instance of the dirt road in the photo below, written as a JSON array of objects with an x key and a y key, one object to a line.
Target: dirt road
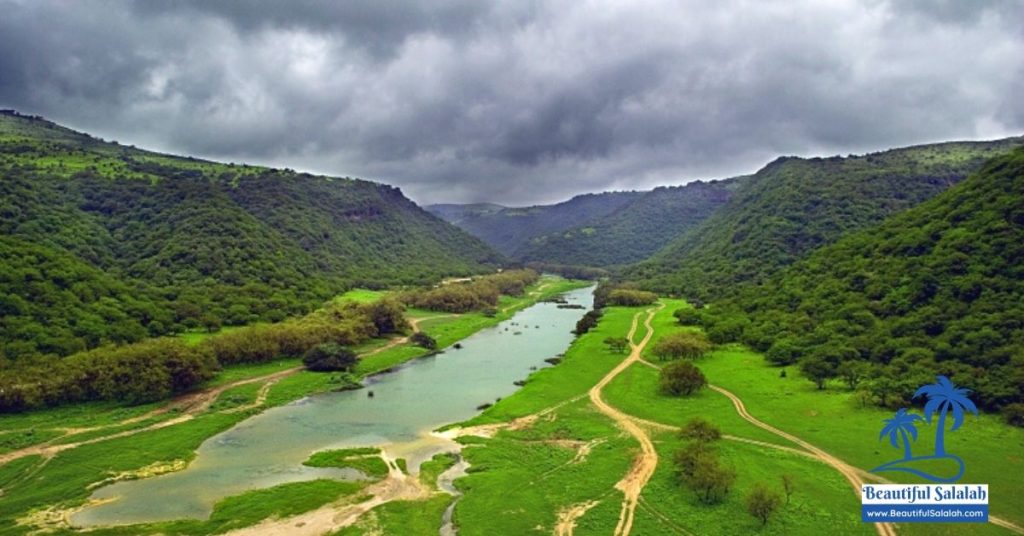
[{"x": 643, "y": 466}]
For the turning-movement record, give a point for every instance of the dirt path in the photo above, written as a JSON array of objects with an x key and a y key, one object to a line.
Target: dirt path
[
  {"x": 643, "y": 466},
  {"x": 188, "y": 405},
  {"x": 851, "y": 473},
  {"x": 567, "y": 517}
]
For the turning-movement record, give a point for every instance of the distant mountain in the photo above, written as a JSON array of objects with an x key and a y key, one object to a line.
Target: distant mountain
[
  {"x": 635, "y": 231},
  {"x": 101, "y": 242},
  {"x": 455, "y": 213},
  {"x": 508, "y": 229},
  {"x": 795, "y": 205},
  {"x": 936, "y": 289}
]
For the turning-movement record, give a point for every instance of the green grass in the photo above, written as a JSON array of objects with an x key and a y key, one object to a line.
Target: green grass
[
  {"x": 518, "y": 481},
  {"x": 431, "y": 469},
  {"x": 585, "y": 362},
  {"x": 237, "y": 396},
  {"x": 401, "y": 517},
  {"x": 362, "y": 295},
  {"x": 365, "y": 460},
  {"x": 832, "y": 420},
  {"x": 19, "y": 439},
  {"x": 822, "y": 497},
  {"x": 196, "y": 336}
]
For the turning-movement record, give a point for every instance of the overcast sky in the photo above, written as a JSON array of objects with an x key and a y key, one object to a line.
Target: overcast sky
[{"x": 522, "y": 101}]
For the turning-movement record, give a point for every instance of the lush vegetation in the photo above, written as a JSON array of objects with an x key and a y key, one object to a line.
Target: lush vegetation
[
  {"x": 508, "y": 229},
  {"x": 794, "y": 206},
  {"x": 156, "y": 369},
  {"x": 935, "y": 290},
  {"x": 635, "y": 231},
  {"x": 473, "y": 295},
  {"x": 102, "y": 243}
]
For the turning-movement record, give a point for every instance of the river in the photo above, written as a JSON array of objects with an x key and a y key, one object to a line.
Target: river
[{"x": 408, "y": 403}]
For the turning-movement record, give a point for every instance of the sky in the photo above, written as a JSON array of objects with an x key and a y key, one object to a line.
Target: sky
[{"x": 518, "y": 102}]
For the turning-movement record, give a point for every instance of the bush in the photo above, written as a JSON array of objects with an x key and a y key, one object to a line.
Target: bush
[
  {"x": 690, "y": 345},
  {"x": 687, "y": 316},
  {"x": 1014, "y": 414},
  {"x": 701, "y": 431},
  {"x": 329, "y": 357},
  {"x": 617, "y": 344},
  {"x": 681, "y": 378},
  {"x": 423, "y": 340},
  {"x": 588, "y": 322}
]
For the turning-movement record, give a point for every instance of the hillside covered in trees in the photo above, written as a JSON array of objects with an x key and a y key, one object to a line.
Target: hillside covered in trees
[
  {"x": 635, "y": 231},
  {"x": 101, "y": 242},
  {"x": 936, "y": 289},
  {"x": 509, "y": 228},
  {"x": 795, "y": 205}
]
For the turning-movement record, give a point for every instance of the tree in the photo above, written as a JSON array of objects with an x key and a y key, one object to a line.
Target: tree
[
  {"x": 817, "y": 370},
  {"x": 762, "y": 502},
  {"x": 617, "y": 344},
  {"x": 700, "y": 430},
  {"x": 687, "y": 344},
  {"x": 681, "y": 378},
  {"x": 852, "y": 372},
  {"x": 710, "y": 479},
  {"x": 788, "y": 485},
  {"x": 328, "y": 357},
  {"x": 784, "y": 352},
  {"x": 687, "y": 316}
]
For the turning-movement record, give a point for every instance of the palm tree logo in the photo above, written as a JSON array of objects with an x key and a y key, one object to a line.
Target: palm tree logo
[
  {"x": 944, "y": 398},
  {"x": 901, "y": 427}
]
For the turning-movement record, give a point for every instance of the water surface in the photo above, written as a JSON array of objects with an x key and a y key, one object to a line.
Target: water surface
[{"x": 268, "y": 449}]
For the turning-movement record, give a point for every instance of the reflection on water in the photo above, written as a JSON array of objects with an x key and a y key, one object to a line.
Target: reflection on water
[{"x": 268, "y": 449}]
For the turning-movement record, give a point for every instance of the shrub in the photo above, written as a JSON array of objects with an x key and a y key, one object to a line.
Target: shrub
[
  {"x": 423, "y": 340},
  {"x": 700, "y": 430},
  {"x": 329, "y": 357},
  {"x": 686, "y": 344},
  {"x": 681, "y": 378}
]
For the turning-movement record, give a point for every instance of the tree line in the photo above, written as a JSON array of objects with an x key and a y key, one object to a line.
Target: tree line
[{"x": 159, "y": 368}]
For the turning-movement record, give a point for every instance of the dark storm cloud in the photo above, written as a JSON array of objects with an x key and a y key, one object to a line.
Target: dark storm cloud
[{"x": 517, "y": 102}]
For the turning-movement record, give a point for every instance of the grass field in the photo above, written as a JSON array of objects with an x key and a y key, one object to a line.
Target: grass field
[{"x": 519, "y": 480}]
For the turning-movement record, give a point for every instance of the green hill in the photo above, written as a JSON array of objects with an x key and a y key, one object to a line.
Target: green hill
[
  {"x": 508, "y": 229},
  {"x": 102, "y": 242},
  {"x": 936, "y": 289},
  {"x": 795, "y": 205},
  {"x": 635, "y": 231}
]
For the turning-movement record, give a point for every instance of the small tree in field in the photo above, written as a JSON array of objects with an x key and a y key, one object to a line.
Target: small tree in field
[
  {"x": 681, "y": 378},
  {"x": 686, "y": 344},
  {"x": 817, "y": 370},
  {"x": 700, "y": 430},
  {"x": 762, "y": 502},
  {"x": 788, "y": 485},
  {"x": 617, "y": 344}
]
